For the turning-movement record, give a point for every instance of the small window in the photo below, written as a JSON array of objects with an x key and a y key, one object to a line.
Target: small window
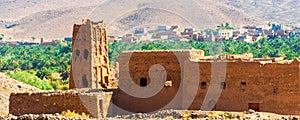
[
  {"x": 143, "y": 82},
  {"x": 203, "y": 85},
  {"x": 223, "y": 85},
  {"x": 243, "y": 83}
]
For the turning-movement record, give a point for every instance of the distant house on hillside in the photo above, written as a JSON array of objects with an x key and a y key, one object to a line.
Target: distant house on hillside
[
  {"x": 129, "y": 39},
  {"x": 68, "y": 39},
  {"x": 139, "y": 31},
  {"x": 174, "y": 28},
  {"x": 52, "y": 43},
  {"x": 167, "y": 35},
  {"x": 250, "y": 27},
  {"x": 10, "y": 43},
  {"x": 29, "y": 43},
  {"x": 225, "y": 33},
  {"x": 162, "y": 28},
  {"x": 188, "y": 33},
  {"x": 276, "y": 27}
]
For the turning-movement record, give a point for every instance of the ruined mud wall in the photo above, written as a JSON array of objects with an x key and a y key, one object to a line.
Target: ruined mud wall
[
  {"x": 90, "y": 67},
  {"x": 273, "y": 87},
  {"x": 93, "y": 104},
  {"x": 139, "y": 65}
]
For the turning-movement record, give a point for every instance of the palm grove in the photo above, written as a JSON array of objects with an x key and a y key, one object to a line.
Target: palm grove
[{"x": 47, "y": 67}]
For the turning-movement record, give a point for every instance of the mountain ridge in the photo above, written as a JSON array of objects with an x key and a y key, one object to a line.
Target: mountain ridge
[{"x": 54, "y": 19}]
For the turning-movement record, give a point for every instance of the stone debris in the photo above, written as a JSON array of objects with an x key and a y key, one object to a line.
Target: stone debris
[
  {"x": 164, "y": 114},
  {"x": 41, "y": 117},
  {"x": 204, "y": 115}
]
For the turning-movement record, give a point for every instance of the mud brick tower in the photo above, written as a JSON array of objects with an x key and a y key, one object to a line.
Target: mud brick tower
[{"x": 90, "y": 67}]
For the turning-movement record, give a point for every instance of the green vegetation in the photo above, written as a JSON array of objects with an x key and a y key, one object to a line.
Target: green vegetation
[
  {"x": 1, "y": 36},
  {"x": 287, "y": 48},
  {"x": 227, "y": 26},
  {"x": 48, "y": 67},
  {"x": 33, "y": 38},
  {"x": 31, "y": 79}
]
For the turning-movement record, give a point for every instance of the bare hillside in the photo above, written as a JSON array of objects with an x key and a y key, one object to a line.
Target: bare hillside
[
  {"x": 281, "y": 11},
  {"x": 53, "y": 19}
]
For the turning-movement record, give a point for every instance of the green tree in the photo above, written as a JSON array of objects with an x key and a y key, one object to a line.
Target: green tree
[{"x": 33, "y": 38}]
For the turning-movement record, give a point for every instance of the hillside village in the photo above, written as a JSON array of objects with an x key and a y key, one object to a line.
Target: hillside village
[{"x": 247, "y": 33}]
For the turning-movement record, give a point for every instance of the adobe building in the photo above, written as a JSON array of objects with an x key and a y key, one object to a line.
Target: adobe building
[
  {"x": 242, "y": 82},
  {"x": 156, "y": 80}
]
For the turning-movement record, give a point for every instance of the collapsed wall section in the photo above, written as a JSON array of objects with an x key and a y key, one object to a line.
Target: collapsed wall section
[{"x": 93, "y": 104}]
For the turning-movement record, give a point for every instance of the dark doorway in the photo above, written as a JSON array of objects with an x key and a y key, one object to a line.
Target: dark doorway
[
  {"x": 254, "y": 106},
  {"x": 143, "y": 82}
]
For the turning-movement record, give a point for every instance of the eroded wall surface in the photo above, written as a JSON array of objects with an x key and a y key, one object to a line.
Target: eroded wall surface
[
  {"x": 92, "y": 104},
  {"x": 160, "y": 69},
  {"x": 271, "y": 87},
  {"x": 89, "y": 72},
  {"x": 90, "y": 67},
  {"x": 274, "y": 87}
]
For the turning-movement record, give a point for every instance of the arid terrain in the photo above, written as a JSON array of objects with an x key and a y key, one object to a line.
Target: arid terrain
[
  {"x": 53, "y": 19},
  {"x": 7, "y": 86}
]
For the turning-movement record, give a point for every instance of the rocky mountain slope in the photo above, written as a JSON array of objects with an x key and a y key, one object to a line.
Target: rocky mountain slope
[
  {"x": 7, "y": 86},
  {"x": 53, "y": 19},
  {"x": 282, "y": 11}
]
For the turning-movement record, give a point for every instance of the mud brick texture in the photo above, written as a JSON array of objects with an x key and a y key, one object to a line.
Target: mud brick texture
[
  {"x": 93, "y": 104},
  {"x": 267, "y": 87}
]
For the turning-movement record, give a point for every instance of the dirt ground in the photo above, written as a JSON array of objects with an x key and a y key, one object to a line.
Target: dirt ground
[
  {"x": 207, "y": 115},
  {"x": 171, "y": 115}
]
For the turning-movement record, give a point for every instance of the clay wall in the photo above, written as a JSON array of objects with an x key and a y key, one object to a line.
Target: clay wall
[
  {"x": 90, "y": 67},
  {"x": 93, "y": 104},
  {"x": 274, "y": 87},
  {"x": 137, "y": 65}
]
